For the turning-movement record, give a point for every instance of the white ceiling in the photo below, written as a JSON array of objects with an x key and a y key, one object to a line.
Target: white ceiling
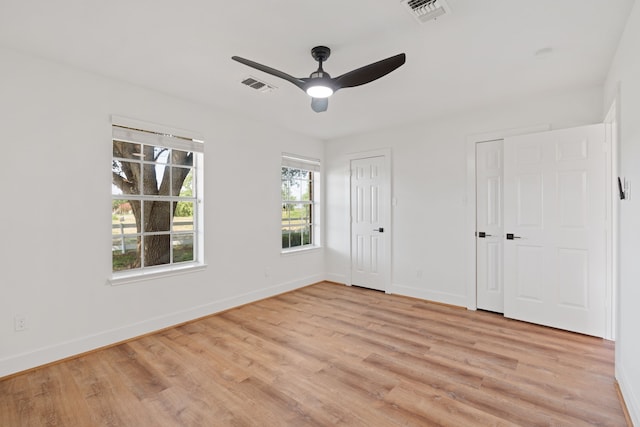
[{"x": 482, "y": 53}]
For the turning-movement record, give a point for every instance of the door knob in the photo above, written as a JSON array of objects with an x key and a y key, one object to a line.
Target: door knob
[
  {"x": 510, "y": 236},
  {"x": 379, "y": 230},
  {"x": 482, "y": 234}
]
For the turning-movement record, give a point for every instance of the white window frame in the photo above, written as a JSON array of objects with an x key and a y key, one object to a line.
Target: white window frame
[
  {"x": 130, "y": 130},
  {"x": 313, "y": 166}
]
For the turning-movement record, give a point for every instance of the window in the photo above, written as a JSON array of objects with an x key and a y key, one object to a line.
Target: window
[
  {"x": 300, "y": 213},
  {"x": 156, "y": 209}
]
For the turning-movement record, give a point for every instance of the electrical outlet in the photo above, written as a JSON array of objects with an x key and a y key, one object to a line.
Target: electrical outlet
[{"x": 20, "y": 323}]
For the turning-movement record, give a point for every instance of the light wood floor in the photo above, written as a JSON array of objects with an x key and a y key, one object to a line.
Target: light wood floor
[{"x": 329, "y": 355}]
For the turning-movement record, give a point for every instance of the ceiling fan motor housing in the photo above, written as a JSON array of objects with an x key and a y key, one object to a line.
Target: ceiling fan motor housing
[{"x": 321, "y": 53}]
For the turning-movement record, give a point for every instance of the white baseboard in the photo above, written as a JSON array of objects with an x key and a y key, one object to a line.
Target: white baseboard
[
  {"x": 336, "y": 278},
  {"x": 42, "y": 356},
  {"x": 441, "y": 297},
  {"x": 630, "y": 399}
]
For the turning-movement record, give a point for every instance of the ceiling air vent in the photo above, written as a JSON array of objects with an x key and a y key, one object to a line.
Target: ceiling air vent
[
  {"x": 426, "y": 10},
  {"x": 258, "y": 85}
]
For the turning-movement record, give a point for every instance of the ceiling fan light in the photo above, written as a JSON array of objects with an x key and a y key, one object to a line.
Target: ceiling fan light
[{"x": 319, "y": 91}]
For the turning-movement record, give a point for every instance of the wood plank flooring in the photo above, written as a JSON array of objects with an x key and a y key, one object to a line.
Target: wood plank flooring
[{"x": 329, "y": 355}]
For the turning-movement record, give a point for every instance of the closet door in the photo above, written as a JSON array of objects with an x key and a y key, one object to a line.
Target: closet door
[
  {"x": 555, "y": 233},
  {"x": 489, "y": 226}
]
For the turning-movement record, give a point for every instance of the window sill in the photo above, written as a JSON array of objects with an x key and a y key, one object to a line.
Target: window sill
[
  {"x": 301, "y": 250},
  {"x": 127, "y": 277}
]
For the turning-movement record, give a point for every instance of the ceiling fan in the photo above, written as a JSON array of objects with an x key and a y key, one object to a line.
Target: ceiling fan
[{"x": 320, "y": 85}]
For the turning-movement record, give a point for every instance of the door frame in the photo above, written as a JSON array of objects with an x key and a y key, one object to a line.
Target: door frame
[
  {"x": 385, "y": 202},
  {"x": 612, "y": 129}
]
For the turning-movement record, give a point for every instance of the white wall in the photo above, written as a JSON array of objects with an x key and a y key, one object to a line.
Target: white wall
[
  {"x": 623, "y": 82},
  {"x": 56, "y": 210},
  {"x": 429, "y": 182}
]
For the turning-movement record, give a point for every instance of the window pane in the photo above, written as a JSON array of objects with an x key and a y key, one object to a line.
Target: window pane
[
  {"x": 179, "y": 157},
  {"x": 285, "y": 239},
  {"x": 286, "y": 190},
  {"x": 151, "y": 153},
  {"x": 295, "y": 183},
  {"x": 286, "y": 173},
  {"x": 183, "y": 248},
  {"x": 305, "y": 187},
  {"x": 160, "y": 154},
  {"x": 184, "y": 178},
  {"x": 183, "y": 217},
  {"x": 120, "y": 209},
  {"x": 153, "y": 177},
  {"x": 299, "y": 214},
  {"x": 157, "y": 216},
  {"x": 122, "y": 215},
  {"x": 296, "y": 191},
  {"x": 295, "y": 236},
  {"x": 122, "y": 219},
  {"x": 295, "y": 213},
  {"x": 286, "y": 213},
  {"x": 306, "y": 235},
  {"x": 124, "y": 177},
  {"x": 126, "y": 150},
  {"x": 156, "y": 249},
  {"x": 124, "y": 253},
  {"x": 293, "y": 173}
]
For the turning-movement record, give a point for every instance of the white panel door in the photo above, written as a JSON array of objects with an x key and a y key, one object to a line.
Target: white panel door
[
  {"x": 489, "y": 231},
  {"x": 369, "y": 188},
  {"x": 554, "y": 220}
]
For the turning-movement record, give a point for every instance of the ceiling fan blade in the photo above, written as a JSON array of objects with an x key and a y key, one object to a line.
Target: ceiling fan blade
[
  {"x": 319, "y": 104},
  {"x": 370, "y": 72},
  {"x": 269, "y": 70}
]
